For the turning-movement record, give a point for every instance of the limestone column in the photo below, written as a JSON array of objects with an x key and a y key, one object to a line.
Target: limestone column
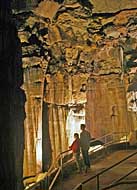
[
  {"x": 106, "y": 105},
  {"x": 33, "y": 86}
]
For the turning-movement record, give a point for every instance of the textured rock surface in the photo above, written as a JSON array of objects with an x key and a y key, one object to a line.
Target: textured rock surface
[
  {"x": 33, "y": 86},
  {"x": 107, "y": 97},
  {"x": 67, "y": 47},
  {"x": 24, "y": 4},
  {"x": 105, "y": 6}
]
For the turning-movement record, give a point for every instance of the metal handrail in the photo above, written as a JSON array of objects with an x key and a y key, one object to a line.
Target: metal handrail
[
  {"x": 79, "y": 186},
  {"x": 110, "y": 134},
  {"x": 118, "y": 181},
  {"x": 60, "y": 167},
  {"x": 51, "y": 170},
  {"x": 59, "y": 158},
  {"x": 106, "y": 143}
]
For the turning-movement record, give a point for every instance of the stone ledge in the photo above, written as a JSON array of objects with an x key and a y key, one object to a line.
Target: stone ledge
[{"x": 104, "y": 6}]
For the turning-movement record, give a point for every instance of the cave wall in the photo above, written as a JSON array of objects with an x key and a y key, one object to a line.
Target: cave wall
[
  {"x": 12, "y": 100},
  {"x": 23, "y": 5},
  {"x": 106, "y": 94},
  {"x": 107, "y": 98},
  {"x": 33, "y": 86},
  {"x": 60, "y": 92},
  {"x": 73, "y": 45}
]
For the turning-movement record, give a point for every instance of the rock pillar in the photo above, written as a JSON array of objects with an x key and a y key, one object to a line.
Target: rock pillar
[{"x": 106, "y": 105}]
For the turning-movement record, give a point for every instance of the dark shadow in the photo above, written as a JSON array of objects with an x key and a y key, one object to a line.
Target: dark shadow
[
  {"x": 12, "y": 100},
  {"x": 95, "y": 142},
  {"x": 46, "y": 143}
]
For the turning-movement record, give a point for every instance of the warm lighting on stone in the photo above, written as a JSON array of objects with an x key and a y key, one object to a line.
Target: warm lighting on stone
[
  {"x": 74, "y": 119},
  {"x": 132, "y": 101},
  {"x": 39, "y": 149},
  {"x": 70, "y": 59}
]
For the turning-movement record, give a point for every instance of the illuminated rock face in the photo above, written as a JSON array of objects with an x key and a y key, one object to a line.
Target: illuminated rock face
[
  {"x": 107, "y": 106},
  {"x": 62, "y": 96},
  {"x": 33, "y": 86},
  {"x": 105, "y": 6},
  {"x": 67, "y": 53}
]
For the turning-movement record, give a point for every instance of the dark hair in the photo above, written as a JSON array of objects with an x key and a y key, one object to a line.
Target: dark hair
[
  {"x": 82, "y": 126},
  {"x": 76, "y": 135}
]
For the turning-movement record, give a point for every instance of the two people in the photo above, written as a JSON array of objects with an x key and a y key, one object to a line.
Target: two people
[{"x": 84, "y": 143}]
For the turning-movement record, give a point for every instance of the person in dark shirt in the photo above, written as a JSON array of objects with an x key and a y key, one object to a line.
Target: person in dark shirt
[
  {"x": 85, "y": 144},
  {"x": 75, "y": 147}
]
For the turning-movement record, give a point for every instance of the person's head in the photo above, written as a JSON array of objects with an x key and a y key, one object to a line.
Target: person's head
[
  {"x": 82, "y": 127},
  {"x": 76, "y": 135}
]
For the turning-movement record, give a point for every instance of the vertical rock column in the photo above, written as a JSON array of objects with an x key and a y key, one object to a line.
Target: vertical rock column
[
  {"x": 54, "y": 118},
  {"x": 33, "y": 86},
  {"x": 12, "y": 101},
  {"x": 106, "y": 94},
  {"x": 62, "y": 90},
  {"x": 106, "y": 105}
]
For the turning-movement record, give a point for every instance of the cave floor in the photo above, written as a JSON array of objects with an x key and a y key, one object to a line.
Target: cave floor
[{"x": 69, "y": 182}]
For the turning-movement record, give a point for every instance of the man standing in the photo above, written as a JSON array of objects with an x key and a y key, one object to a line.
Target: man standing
[{"x": 85, "y": 144}]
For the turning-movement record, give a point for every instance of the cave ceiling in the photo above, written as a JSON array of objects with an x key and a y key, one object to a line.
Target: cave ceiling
[{"x": 76, "y": 36}]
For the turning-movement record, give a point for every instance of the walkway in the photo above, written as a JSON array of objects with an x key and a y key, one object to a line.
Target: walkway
[{"x": 70, "y": 181}]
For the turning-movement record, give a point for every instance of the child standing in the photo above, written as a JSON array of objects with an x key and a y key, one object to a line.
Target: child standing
[{"x": 75, "y": 147}]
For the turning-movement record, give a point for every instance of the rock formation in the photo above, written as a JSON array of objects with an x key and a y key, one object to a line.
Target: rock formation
[{"x": 75, "y": 54}]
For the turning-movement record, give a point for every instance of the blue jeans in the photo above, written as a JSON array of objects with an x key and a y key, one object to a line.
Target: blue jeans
[
  {"x": 86, "y": 158},
  {"x": 77, "y": 160}
]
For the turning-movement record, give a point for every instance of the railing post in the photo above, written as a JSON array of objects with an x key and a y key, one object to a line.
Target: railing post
[
  {"x": 61, "y": 165},
  {"x": 113, "y": 137},
  {"x": 80, "y": 187},
  {"x": 97, "y": 182},
  {"x": 41, "y": 184},
  {"x": 105, "y": 146},
  {"x": 61, "y": 170},
  {"x": 105, "y": 139},
  {"x": 126, "y": 141},
  {"x": 45, "y": 183}
]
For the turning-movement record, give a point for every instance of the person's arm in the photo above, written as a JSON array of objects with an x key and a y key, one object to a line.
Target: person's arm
[{"x": 70, "y": 147}]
